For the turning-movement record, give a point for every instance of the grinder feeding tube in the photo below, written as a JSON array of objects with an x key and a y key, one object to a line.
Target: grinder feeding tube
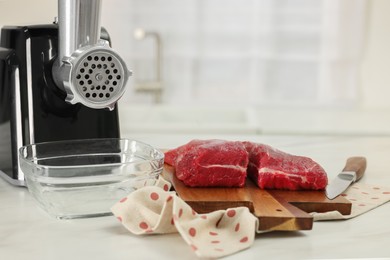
[{"x": 87, "y": 69}]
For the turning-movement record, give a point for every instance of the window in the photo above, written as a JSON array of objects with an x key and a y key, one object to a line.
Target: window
[{"x": 257, "y": 52}]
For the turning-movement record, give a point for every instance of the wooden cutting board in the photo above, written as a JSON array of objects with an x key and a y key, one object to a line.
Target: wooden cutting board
[{"x": 275, "y": 209}]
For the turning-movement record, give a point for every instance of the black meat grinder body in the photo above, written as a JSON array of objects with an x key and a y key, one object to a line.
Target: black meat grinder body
[{"x": 33, "y": 109}]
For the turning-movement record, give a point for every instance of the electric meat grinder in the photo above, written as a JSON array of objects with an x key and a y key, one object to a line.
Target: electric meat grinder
[{"x": 58, "y": 82}]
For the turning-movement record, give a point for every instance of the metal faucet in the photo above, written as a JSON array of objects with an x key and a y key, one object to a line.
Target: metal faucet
[{"x": 153, "y": 86}]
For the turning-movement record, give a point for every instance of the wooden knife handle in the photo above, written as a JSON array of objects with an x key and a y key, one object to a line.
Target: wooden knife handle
[{"x": 356, "y": 164}]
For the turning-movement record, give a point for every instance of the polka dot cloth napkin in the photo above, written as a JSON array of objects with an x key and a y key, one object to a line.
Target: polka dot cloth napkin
[
  {"x": 363, "y": 198},
  {"x": 156, "y": 210}
]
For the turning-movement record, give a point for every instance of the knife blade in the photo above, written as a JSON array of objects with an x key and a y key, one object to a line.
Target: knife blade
[{"x": 353, "y": 171}]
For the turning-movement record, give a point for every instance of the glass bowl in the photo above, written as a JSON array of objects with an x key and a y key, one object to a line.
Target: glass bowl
[{"x": 85, "y": 178}]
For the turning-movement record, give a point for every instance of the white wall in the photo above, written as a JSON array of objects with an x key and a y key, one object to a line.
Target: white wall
[
  {"x": 375, "y": 69},
  {"x": 26, "y": 12}
]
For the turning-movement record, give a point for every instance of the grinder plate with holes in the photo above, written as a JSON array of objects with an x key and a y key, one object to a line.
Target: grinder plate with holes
[
  {"x": 95, "y": 76},
  {"x": 99, "y": 76}
]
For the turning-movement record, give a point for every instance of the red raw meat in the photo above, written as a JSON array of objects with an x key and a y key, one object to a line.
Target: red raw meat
[
  {"x": 171, "y": 156},
  {"x": 270, "y": 168},
  {"x": 210, "y": 163}
]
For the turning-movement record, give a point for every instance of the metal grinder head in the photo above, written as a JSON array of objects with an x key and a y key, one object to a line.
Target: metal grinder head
[
  {"x": 87, "y": 69},
  {"x": 95, "y": 76}
]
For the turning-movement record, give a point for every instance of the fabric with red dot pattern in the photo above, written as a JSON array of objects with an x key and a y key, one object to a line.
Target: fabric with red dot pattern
[
  {"x": 363, "y": 198},
  {"x": 156, "y": 210}
]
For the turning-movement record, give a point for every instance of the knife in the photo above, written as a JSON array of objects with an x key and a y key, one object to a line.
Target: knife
[{"x": 352, "y": 172}]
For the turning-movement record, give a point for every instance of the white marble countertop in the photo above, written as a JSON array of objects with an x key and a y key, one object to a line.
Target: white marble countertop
[{"x": 27, "y": 232}]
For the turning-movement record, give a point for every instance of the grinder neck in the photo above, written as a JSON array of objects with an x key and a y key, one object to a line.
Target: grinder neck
[{"x": 79, "y": 25}]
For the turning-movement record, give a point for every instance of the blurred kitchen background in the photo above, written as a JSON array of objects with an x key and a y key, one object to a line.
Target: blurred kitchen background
[{"x": 246, "y": 66}]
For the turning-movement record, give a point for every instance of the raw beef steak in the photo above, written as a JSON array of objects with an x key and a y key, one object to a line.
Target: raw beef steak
[
  {"x": 171, "y": 156},
  {"x": 210, "y": 163},
  {"x": 270, "y": 168}
]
